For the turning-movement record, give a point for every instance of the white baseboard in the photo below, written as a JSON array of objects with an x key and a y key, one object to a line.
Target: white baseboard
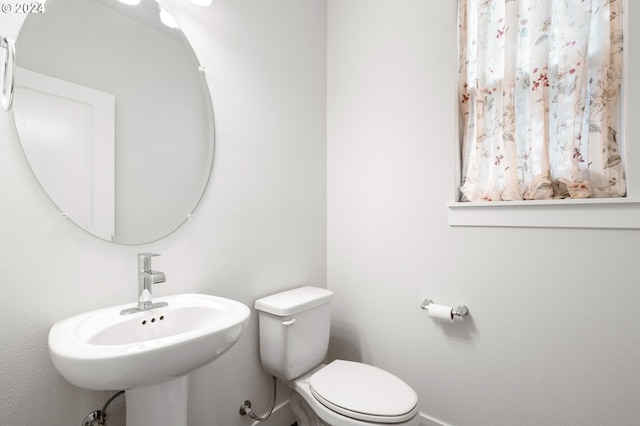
[
  {"x": 281, "y": 416},
  {"x": 428, "y": 421}
]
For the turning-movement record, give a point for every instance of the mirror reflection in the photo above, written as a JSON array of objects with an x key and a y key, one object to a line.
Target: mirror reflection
[{"x": 114, "y": 116}]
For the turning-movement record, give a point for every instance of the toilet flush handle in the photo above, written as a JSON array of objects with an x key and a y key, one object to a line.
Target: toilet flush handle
[{"x": 289, "y": 322}]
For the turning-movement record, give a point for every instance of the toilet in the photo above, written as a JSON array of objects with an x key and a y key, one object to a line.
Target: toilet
[{"x": 294, "y": 338}]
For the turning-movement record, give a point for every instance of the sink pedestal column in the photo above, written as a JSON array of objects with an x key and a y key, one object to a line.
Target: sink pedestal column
[{"x": 163, "y": 404}]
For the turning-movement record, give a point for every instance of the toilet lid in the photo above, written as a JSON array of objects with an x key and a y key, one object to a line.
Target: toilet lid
[{"x": 364, "y": 392}]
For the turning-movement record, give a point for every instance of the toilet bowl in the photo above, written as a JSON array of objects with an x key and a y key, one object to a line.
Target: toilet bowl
[
  {"x": 294, "y": 338},
  {"x": 346, "y": 393}
]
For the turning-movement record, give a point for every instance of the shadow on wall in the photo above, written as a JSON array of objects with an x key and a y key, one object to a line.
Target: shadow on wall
[
  {"x": 459, "y": 330},
  {"x": 344, "y": 342}
]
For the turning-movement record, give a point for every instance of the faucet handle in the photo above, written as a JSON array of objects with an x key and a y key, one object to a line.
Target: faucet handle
[{"x": 144, "y": 261}]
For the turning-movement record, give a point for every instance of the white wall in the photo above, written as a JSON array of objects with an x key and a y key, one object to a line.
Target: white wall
[
  {"x": 553, "y": 337},
  {"x": 259, "y": 229}
]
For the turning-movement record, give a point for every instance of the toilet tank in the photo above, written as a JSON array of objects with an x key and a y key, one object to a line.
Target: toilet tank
[{"x": 294, "y": 330}]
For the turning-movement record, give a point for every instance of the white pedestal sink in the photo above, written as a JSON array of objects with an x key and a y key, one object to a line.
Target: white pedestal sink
[{"x": 149, "y": 353}]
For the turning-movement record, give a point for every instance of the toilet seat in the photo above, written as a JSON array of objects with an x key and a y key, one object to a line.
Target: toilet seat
[{"x": 363, "y": 392}]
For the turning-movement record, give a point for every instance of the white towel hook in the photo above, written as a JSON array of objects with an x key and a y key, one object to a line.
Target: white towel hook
[{"x": 6, "y": 84}]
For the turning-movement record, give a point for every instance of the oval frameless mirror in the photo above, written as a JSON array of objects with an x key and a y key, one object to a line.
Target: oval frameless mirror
[{"x": 114, "y": 115}]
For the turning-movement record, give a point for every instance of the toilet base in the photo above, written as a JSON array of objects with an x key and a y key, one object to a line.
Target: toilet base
[{"x": 305, "y": 416}]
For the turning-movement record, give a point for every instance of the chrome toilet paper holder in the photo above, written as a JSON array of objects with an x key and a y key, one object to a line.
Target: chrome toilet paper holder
[{"x": 460, "y": 311}]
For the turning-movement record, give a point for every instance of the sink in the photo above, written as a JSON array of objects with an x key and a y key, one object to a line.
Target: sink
[
  {"x": 148, "y": 353},
  {"x": 103, "y": 350}
]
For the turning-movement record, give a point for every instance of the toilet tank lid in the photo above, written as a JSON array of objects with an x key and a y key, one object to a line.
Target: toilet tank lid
[{"x": 293, "y": 301}]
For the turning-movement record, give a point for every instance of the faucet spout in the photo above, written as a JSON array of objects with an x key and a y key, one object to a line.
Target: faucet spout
[
  {"x": 146, "y": 278},
  {"x": 145, "y": 281}
]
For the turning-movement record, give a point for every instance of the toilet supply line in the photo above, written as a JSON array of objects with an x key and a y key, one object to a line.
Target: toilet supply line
[{"x": 245, "y": 408}]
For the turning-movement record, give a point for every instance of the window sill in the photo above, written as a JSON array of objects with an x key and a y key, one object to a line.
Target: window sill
[{"x": 606, "y": 213}]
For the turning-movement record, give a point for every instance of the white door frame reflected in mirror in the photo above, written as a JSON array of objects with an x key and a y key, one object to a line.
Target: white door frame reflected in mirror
[{"x": 67, "y": 132}]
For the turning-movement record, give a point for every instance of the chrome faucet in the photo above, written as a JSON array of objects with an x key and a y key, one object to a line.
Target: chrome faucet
[{"x": 146, "y": 278}]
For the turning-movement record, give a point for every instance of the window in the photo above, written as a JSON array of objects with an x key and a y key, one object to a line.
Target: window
[
  {"x": 540, "y": 99},
  {"x": 617, "y": 213}
]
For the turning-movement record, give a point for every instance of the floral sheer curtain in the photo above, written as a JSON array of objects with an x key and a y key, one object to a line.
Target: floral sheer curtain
[{"x": 540, "y": 96}]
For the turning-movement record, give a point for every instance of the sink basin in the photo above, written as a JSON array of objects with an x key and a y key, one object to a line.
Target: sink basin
[
  {"x": 103, "y": 350},
  {"x": 148, "y": 353}
]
